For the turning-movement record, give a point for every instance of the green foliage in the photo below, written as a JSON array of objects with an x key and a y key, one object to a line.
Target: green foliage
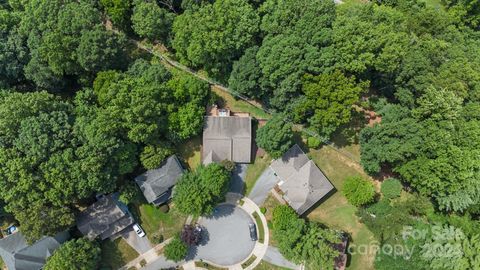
[
  {"x": 77, "y": 254},
  {"x": 228, "y": 164},
  {"x": 152, "y": 22},
  {"x": 128, "y": 193},
  {"x": 276, "y": 137},
  {"x": 214, "y": 35},
  {"x": 176, "y": 249},
  {"x": 297, "y": 35},
  {"x": 328, "y": 101},
  {"x": 152, "y": 156},
  {"x": 313, "y": 142},
  {"x": 391, "y": 188},
  {"x": 66, "y": 39},
  {"x": 358, "y": 191},
  {"x": 246, "y": 74},
  {"x": 118, "y": 11},
  {"x": 140, "y": 102},
  {"x": 198, "y": 192},
  {"x": 303, "y": 242}
]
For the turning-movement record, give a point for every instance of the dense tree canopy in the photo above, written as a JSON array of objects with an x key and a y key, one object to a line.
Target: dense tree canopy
[
  {"x": 176, "y": 250},
  {"x": 304, "y": 242},
  {"x": 214, "y": 35},
  {"x": 76, "y": 254},
  {"x": 198, "y": 192},
  {"x": 151, "y": 21},
  {"x": 276, "y": 137}
]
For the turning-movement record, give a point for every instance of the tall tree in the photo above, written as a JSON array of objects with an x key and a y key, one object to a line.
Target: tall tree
[
  {"x": 214, "y": 35},
  {"x": 151, "y": 21},
  {"x": 276, "y": 137},
  {"x": 77, "y": 254}
]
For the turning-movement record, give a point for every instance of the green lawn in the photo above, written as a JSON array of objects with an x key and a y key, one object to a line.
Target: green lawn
[
  {"x": 240, "y": 105},
  {"x": 270, "y": 204},
  {"x": 254, "y": 171},
  {"x": 156, "y": 222},
  {"x": 267, "y": 266},
  {"x": 261, "y": 231},
  {"x": 116, "y": 254},
  {"x": 336, "y": 212},
  {"x": 189, "y": 152}
]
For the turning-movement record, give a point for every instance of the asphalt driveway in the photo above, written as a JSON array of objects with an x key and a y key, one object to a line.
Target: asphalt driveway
[
  {"x": 227, "y": 237},
  {"x": 140, "y": 244},
  {"x": 237, "y": 181},
  {"x": 262, "y": 187}
]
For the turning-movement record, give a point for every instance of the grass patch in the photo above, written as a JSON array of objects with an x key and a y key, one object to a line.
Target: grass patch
[
  {"x": 249, "y": 261},
  {"x": 336, "y": 212},
  {"x": 189, "y": 152},
  {"x": 156, "y": 222},
  {"x": 208, "y": 266},
  {"x": 270, "y": 204},
  {"x": 261, "y": 232},
  {"x": 116, "y": 254},
  {"x": 240, "y": 105},
  {"x": 263, "y": 265},
  {"x": 254, "y": 171}
]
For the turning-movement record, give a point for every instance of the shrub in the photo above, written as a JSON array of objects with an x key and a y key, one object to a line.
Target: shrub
[
  {"x": 228, "y": 164},
  {"x": 176, "y": 250},
  {"x": 157, "y": 238},
  {"x": 358, "y": 190},
  {"x": 391, "y": 188},
  {"x": 143, "y": 263},
  {"x": 313, "y": 142},
  {"x": 263, "y": 210},
  {"x": 164, "y": 208}
]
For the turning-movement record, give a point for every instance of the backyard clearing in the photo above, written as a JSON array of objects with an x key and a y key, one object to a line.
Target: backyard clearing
[{"x": 336, "y": 212}]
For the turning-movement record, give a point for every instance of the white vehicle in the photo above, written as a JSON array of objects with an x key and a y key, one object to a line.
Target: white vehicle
[{"x": 138, "y": 230}]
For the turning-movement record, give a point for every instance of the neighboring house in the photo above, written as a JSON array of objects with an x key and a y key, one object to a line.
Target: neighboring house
[
  {"x": 105, "y": 218},
  {"x": 157, "y": 184},
  {"x": 18, "y": 255},
  {"x": 301, "y": 181},
  {"x": 227, "y": 137}
]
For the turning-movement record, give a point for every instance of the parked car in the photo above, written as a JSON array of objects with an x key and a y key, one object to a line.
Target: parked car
[
  {"x": 253, "y": 231},
  {"x": 138, "y": 230}
]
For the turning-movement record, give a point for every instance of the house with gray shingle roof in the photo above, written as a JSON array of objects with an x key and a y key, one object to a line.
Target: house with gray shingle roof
[
  {"x": 157, "y": 184},
  {"x": 227, "y": 137},
  {"x": 301, "y": 181},
  {"x": 105, "y": 218},
  {"x": 18, "y": 255}
]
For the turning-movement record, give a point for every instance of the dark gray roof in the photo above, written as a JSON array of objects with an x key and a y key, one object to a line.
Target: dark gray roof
[
  {"x": 227, "y": 137},
  {"x": 18, "y": 255},
  {"x": 302, "y": 181},
  {"x": 103, "y": 219},
  {"x": 154, "y": 183}
]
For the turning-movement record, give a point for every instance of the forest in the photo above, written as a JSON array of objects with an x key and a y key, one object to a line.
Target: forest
[{"x": 82, "y": 110}]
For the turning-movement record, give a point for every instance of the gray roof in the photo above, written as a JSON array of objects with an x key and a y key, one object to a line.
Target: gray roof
[
  {"x": 227, "y": 137},
  {"x": 18, "y": 255},
  {"x": 103, "y": 219},
  {"x": 154, "y": 183},
  {"x": 303, "y": 183}
]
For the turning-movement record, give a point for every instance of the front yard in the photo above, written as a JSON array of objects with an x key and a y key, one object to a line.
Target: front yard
[
  {"x": 254, "y": 171},
  {"x": 158, "y": 225},
  {"x": 116, "y": 254}
]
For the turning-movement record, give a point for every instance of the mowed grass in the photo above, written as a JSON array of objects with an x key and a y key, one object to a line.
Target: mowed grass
[
  {"x": 270, "y": 204},
  {"x": 267, "y": 266},
  {"x": 190, "y": 152},
  {"x": 254, "y": 171},
  {"x": 156, "y": 222},
  {"x": 335, "y": 211},
  {"x": 238, "y": 105},
  {"x": 116, "y": 254}
]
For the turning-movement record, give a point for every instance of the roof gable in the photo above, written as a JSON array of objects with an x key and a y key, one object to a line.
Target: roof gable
[
  {"x": 227, "y": 137},
  {"x": 154, "y": 183},
  {"x": 303, "y": 182}
]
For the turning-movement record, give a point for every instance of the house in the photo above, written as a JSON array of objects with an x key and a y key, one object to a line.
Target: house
[
  {"x": 18, "y": 255},
  {"x": 105, "y": 218},
  {"x": 227, "y": 137},
  {"x": 301, "y": 181},
  {"x": 157, "y": 184}
]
